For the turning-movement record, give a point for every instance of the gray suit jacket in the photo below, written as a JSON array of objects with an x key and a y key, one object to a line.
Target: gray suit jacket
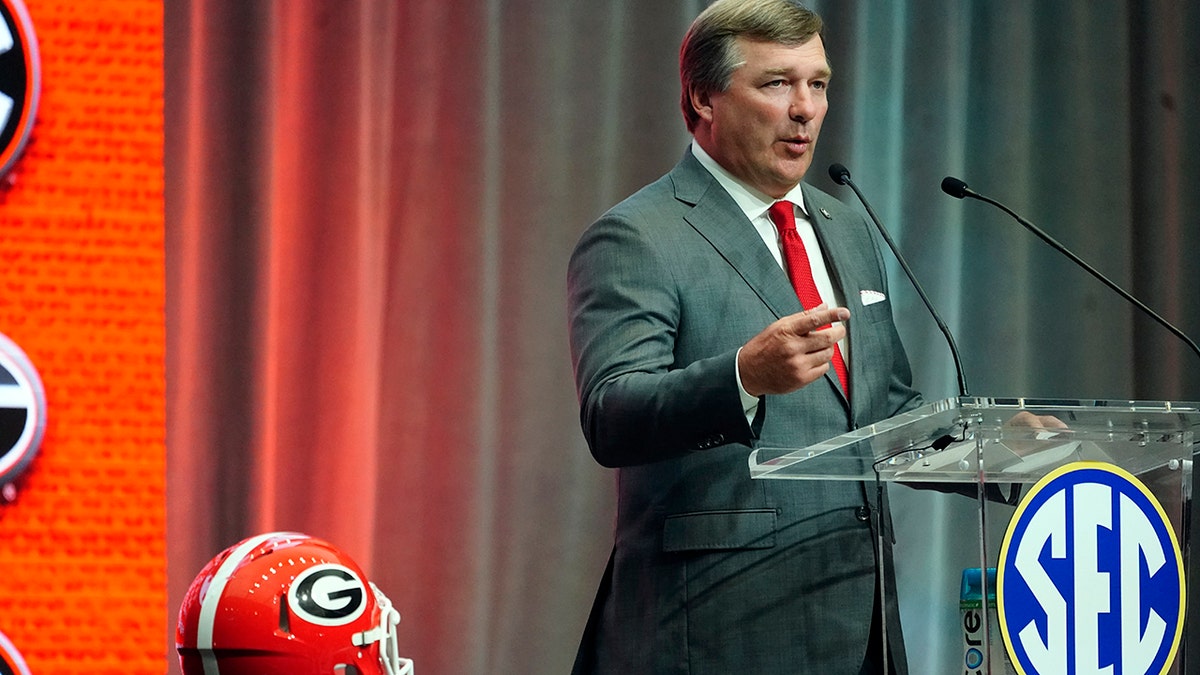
[{"x": 713, "y": 572}]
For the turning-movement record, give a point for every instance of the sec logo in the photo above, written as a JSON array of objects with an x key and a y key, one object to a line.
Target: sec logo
[
  {"x": 20, "y": 81},
  {"x": 1090, "y": 577}
]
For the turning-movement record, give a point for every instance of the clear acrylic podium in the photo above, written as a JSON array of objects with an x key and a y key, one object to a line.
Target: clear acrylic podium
[{"x": 977, "y": 447}]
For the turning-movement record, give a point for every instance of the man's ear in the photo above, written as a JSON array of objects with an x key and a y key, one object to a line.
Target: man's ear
[{"x": 701, "y": 102}]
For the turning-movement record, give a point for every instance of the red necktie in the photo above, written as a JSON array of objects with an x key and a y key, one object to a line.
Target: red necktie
[{"x": 783, "y": 214}]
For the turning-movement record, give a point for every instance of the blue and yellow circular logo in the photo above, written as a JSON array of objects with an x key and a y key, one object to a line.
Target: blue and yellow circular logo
[{"x": 1090, "y": 577}]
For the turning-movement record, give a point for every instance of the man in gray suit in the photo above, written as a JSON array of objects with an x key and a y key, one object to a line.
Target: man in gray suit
[{"x": 691, "y": 346}]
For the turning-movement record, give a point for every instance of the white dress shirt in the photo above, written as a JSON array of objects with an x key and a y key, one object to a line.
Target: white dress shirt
[{"x": 755, "y": 205}]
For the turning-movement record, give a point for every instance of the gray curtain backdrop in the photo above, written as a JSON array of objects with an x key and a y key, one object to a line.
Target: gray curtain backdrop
[{"x": 371, "y": 204}]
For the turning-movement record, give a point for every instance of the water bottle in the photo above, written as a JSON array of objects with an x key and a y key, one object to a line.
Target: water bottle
[{"x": 970, "y": 605}]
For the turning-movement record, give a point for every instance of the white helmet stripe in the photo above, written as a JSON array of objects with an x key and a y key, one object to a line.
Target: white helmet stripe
[{"x": 208, "y": 608}]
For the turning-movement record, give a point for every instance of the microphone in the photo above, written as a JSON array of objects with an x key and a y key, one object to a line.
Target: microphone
[
  {"x": 958, "y": 189},
  {"x": 841, "y": 175}
]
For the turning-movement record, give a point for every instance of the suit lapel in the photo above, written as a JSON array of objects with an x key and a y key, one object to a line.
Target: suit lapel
[
  {"x": 718, "y": 219},
  {"x": 844, "y": 263}
]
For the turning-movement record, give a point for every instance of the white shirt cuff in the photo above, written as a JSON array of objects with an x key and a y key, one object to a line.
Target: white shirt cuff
[{"x": 749, "y": 403}]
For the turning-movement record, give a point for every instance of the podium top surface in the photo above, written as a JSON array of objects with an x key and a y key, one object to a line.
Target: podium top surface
[{"x": 973, "y": 439}]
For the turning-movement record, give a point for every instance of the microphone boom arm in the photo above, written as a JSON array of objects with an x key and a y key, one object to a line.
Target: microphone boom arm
[
  {"x": 967, "y": 192},
  {"x": 841, "y": 175}
]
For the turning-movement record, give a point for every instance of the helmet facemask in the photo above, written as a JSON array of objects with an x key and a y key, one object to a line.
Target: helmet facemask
[{"x": 385, "y": 634}]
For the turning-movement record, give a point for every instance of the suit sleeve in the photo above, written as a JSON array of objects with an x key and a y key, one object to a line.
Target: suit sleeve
[{"x": 637, "y": 404}]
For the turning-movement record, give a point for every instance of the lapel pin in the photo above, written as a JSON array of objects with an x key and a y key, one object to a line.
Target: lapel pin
[{"x": 826, "y": 214}]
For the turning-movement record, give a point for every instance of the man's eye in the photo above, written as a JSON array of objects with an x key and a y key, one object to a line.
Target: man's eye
[
  {"x": 820, "y": 84},
  {"x": 776, "y": 83}
]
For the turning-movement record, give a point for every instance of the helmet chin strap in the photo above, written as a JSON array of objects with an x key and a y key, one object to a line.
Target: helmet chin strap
[{"x": 385, "y": 634}]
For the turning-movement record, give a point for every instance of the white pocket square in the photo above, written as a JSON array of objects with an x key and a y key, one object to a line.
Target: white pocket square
[{"x": 871, "y": 297}]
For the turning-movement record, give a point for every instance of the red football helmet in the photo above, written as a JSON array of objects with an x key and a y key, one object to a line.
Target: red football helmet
[{"x": 285, "y": 603}]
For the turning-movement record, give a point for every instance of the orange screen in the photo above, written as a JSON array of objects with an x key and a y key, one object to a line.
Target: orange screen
[{"x": 82, "y": 554}]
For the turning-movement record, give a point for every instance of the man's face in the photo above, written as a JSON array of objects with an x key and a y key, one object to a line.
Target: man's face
[{"x": 764, "y": 127}]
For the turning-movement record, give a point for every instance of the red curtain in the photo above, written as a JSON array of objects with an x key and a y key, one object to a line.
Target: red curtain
[{"x": 366, "y": 326}]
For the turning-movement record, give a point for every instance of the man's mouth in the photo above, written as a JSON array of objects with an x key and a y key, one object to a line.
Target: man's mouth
[{"x": 798, "y": 143}]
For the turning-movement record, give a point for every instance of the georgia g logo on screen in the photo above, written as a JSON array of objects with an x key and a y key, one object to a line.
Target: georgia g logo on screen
[
  {"x": 1090, "y": 577},
  {"x": 20, "y": 80},
  {"x": 22, "y": 412},
  {"x": 11, "y": 661}
]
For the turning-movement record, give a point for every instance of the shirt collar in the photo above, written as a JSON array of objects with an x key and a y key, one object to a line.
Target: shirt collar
[{"x": 751, "y": 201}]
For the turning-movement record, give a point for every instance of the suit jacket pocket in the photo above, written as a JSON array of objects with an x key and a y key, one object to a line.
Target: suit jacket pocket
[
  {"x": 876, "y": 312},
  {"x": 718, "y": 530}
]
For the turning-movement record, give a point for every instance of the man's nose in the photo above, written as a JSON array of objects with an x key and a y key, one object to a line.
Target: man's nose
[{"x": 803, "y": 106}]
